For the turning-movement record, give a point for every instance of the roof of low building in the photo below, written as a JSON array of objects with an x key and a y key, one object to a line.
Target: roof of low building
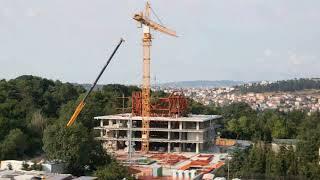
[{"x": 86, "y": 178}]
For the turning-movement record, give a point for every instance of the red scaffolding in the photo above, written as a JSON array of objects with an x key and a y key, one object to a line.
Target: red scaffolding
[{"x": 174, "y": 105}]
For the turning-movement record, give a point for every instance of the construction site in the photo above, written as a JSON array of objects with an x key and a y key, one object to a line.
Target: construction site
[
  {"x": 178, "y": 146},
  {"x": 159, "y": 139},
  {"x": 193, "y": 90}
]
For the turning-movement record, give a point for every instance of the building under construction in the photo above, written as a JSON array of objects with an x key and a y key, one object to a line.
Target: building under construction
[
  {"x": 170, "y": 129},
  {"x": 167, "y": 134}
]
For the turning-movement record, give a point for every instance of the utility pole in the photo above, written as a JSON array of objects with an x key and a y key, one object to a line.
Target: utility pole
[
  {"x": 228, "y": 170},
  {"x": 228, "y": 167}
]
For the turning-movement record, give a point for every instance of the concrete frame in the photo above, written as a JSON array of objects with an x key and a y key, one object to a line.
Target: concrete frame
[{"x": 195, "y": 131}]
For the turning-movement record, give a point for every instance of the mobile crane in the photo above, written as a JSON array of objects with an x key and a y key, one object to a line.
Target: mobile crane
[{"x": 83, "y": 101}]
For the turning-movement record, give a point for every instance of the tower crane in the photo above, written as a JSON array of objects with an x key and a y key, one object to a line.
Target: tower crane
[{"x": 144, "y": 19}]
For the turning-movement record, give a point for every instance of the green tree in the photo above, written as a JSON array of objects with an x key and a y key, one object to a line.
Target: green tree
[
  {"x": 13, "y": 146},
  {"x": 242, "y": 127},
  {"x": 113, "y": 171},
  {"x": 5, "y": 125},
  {"x": 234, "y": 126},
  {"x": 279, "y": 128},
  {"x": 73, "y": 146},
  {"x": 38, "y": 122}
]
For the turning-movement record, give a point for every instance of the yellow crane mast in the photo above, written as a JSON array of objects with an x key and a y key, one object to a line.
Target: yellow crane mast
[{"x": 147, "y": 24}]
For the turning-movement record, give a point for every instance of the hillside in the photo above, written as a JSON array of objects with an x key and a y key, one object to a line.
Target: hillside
[
  {"x": 202, "y": 84},
  {"x": 29, "y": 104},
  {"x": 281, "y": 86}
]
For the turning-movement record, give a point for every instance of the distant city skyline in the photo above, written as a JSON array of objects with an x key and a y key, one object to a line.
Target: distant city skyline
[{"x": 218, "y": 40}]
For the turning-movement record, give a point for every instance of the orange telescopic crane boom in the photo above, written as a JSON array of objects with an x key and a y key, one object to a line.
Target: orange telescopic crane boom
[
  {"x": 144, "y": 20},
  {"x": 83, "y": 101}
]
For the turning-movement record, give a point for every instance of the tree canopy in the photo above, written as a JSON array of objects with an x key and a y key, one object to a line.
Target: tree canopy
[
  {"x": 75, "y": 147},
  {"x": 260, "y": 161},
  {"x": 33, "y": 116},
  {"x": 113, "y": 171}
]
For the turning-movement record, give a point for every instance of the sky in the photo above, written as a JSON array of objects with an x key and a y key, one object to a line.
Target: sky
[{"x": 247, "y": 40}]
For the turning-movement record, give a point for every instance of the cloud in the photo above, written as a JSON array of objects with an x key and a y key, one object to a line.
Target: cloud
[
  {"x": 30, "y": 12},
  {"x": 260, "y": 60},
  {"x": 6, "y": 12},
  {"x": 267, "y": 56},
  {"x": 268, "y": 52},
  {"x": 296, "y": 59}
]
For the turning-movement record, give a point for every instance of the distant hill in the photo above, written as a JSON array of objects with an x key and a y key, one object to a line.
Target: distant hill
[
  {"x": 88, "y": 86},
  {"x": 202, "y": 84},
  {"x": 185, "y": 84},
  {"x": 100, "y": 86},
  {"x": 283, "y": 85}
]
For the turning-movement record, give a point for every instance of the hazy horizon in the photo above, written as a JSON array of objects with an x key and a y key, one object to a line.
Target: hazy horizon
[
  {"x": 218, "y": 40},
  {"x": 162, "y": 83}
]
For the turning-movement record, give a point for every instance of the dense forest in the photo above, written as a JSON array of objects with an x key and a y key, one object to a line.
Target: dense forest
[
  {"x": 259, "y": 161},
  {"x": 33, "y": 115},
  {"x": 285, "y": 85}
]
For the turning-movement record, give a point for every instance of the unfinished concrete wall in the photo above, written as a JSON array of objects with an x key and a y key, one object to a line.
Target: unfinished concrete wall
[{"x": 191, "y": 136}]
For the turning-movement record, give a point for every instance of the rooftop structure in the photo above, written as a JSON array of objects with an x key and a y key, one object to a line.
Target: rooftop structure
[
  {"x": 168, "y": 166},
  {"x": 194, "y": 133},
  {"x": 14, "y": 174},
  {"x": 13, "y": 169}
]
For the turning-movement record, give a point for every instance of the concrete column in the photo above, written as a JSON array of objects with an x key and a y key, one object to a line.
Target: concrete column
[
  {"x": 197, "y": 148},
  {"x": 169, "y": 135},
  {"x": 169, "y": 147},
  {"x": 169, "y": 125},
  {"x": 118, "y": 123},
  {"x": 198, "y": 127},
  {"x": 180, "y": 127},
  {"x": 101, "y": 131},
  {"x": 197, "y": 136}
]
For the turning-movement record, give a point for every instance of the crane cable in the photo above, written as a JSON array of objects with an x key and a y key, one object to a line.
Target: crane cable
[{"x": 155, "y": 14}]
